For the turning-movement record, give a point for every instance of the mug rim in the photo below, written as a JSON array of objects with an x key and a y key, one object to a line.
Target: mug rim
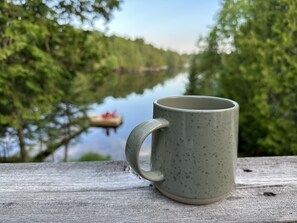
[{"x": 234, "y": 103}]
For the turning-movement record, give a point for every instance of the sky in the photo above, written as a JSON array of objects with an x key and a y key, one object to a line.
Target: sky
[{"x": 167, "y": 24}]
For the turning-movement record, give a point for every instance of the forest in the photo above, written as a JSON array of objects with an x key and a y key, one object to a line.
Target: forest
[
  {"x": 249, "y": 55},
  {"x": 47, "y": 64},
  {"x": 135, "y": 55}
]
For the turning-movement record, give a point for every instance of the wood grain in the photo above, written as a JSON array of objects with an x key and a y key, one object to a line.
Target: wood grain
[{"x": 266, "y": 191}]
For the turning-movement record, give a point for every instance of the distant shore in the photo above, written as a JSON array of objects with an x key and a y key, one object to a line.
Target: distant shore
[
  {"x": 139, "y": 69},
  {"x": 122, "y": 70}
]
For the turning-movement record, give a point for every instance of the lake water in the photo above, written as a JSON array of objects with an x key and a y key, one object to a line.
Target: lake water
[{"x": 134, "y": 107}]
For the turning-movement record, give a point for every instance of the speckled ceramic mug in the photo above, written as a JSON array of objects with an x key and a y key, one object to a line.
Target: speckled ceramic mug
[{"x": 194, "y": 147}]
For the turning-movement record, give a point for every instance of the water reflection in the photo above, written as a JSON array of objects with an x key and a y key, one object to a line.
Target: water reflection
[{"x": 132, "y": 97}]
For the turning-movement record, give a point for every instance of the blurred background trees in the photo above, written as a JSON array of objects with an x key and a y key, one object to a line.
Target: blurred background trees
[
  {"x": 143, "y": 56},
  {"x": 41, "y": 54},
  {"x": 51, "y": 57},
  {"x": 250, "y": 56}
]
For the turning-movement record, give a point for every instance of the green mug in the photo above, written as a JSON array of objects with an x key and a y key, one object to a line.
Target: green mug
[{"x": 194, "y": 147}]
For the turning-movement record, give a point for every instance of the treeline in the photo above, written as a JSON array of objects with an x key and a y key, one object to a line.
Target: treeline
[
  {"x": 128, "y": 55},
  {"x": 250, "y": 56}
]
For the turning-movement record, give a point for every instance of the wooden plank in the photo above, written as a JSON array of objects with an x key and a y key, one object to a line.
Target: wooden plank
[{"x": 266, "y": 191}]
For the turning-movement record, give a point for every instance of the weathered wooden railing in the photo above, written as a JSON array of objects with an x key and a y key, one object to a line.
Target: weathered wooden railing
[{"x": 266, "y": 191}]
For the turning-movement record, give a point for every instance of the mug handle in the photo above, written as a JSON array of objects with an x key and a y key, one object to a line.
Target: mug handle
[{"x": 133, "y": 145}]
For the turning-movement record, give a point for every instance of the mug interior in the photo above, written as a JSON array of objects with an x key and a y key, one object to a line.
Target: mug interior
[{"x": 197, "y": 103}]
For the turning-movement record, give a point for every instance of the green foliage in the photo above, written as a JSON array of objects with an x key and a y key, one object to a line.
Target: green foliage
[
  {"x": 136, "y": 55},
  {"x": 92, "y": 156},
  {"x": 257, "y": 51},
  {"x": 205, "y": 67},
  {"x": 40, "y": 56},
  {"x": 48, "y": 62}
]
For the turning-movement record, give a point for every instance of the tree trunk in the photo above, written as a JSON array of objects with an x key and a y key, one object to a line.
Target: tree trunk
[
  {"x": 68, "y": 130},
  {"x": 22, "y": 144},
  {"x": 66, "y": 152},
  {"x": 21, "y": 138}
]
